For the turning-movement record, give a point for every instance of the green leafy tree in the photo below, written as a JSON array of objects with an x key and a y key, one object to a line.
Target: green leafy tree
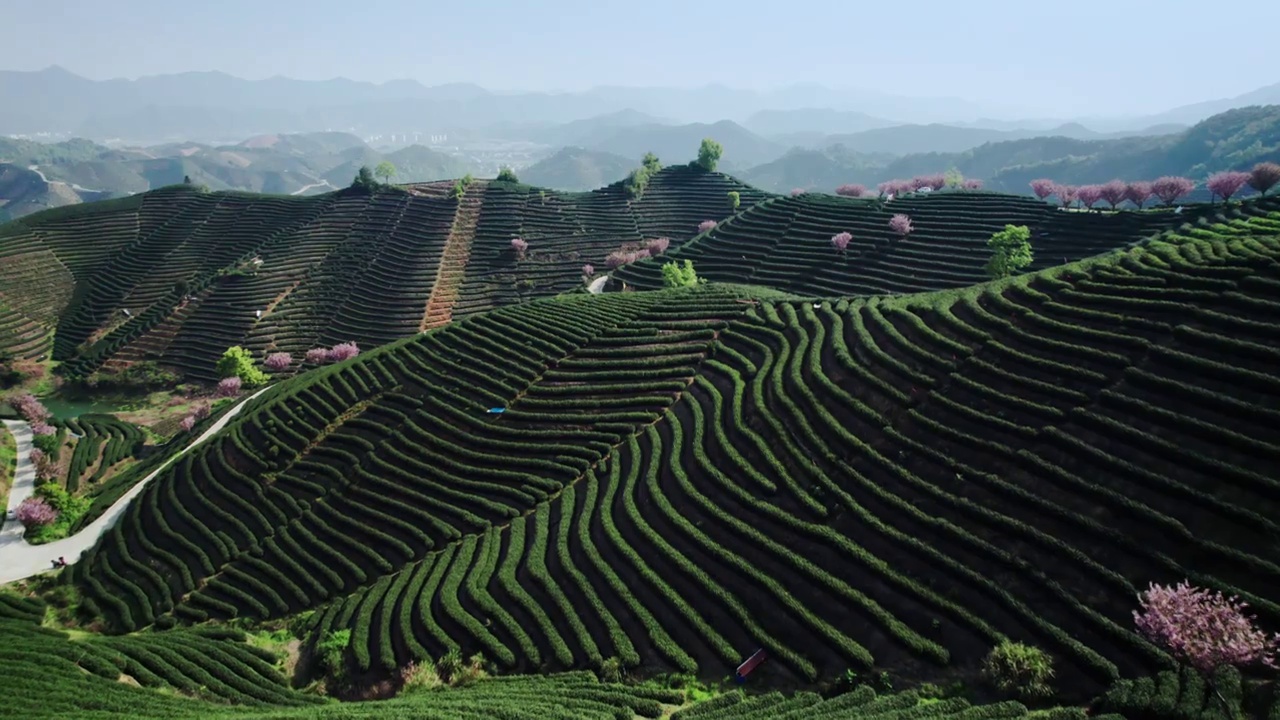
[
  {"x": 709, "y": 154},
  {"x": 238, "y": 362},
  {"x": 506, "y": 174},
  {"x": 636, "y": 182},
  {"x": 364, "y": 180},
  {"x": 675, "y": 275},
  {"x": 651, "y": 163},
  {"x": 1010, "y": 251},
  {"x": 953, "y": 178},
  {"x": 385, "y": 170},
  {"x": 1019, "y": 669},
  {"x": 735, "y": 199}
]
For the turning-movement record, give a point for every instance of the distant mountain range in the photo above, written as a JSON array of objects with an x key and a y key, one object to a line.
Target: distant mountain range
[
  {"x": 1234, "y": 140},
  {"x": 602, "y": 150},
  {"x": 215, "y": 107},
  {"x": 36, "y": 176}
]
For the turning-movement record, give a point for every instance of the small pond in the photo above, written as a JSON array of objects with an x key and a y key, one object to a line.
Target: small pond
[{"x": 66, "y": 409}]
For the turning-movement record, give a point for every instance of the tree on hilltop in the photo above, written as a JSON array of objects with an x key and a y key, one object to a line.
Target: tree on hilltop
[
  {"x": 735, "y": 199},
  {"x": 364, "y": 180},
  {"x": 851, "y": 190},
  {"x": 1138, "y": 193},
  {"x": 1010, "y": 251},
  {"x": 1226, "y": 184},
  {"x": 1170, "y": 187},
  {"x": 1043, "y": 187},
  {"x": 1113, "y": 192},
  {"x": 1264, "y": 176},
  {"x": 709, "y": 154},
  {"x": 385, "y": 170},
  {"x": 506, "y": 174},
  {"x": 651, "y": 163}
]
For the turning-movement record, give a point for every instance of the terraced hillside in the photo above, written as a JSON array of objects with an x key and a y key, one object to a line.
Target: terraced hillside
[
  {"x": 785, "y": 243},
  {"x": 179, "y": 275},
  {"x": 682, "y": 477},
  {"x": 213, "y": 673}
]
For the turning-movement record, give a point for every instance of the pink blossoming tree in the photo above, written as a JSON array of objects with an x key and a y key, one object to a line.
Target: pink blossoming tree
[
  {"x": 901, "y": 224},
  {"x": 1113, "y": 192},
  {"x": 317, "y": 356},
  {"x": 971, "y": 184},
  {"x": 1264, "y": 176},
  {"x": 851, "y": 190},
  {"x": 343, "y": 351},
  {"x": 1043, "y": 187},
  {"x": 520, "y": 246},
  {"x": 229, "y": 386},
  {"x": 840, "y": 241},
  {"x": 657, "y": 246},
  {"x": 1226, "y": 184},
  {"x": 1066, "y": 195},
  {"x": 706, "y": 226},
  {"x": 1138, "y": 192},
  {"x": 188, "y": 422},
  {"x": 36, "y": 512},
  {"x": 1203, "y": 628},
  {"x": 1089, "y": 195},
  {"x": 275, "y": 362},
  {"x": 797, "y": 192},
  {"x": 1169, "y": 188}
]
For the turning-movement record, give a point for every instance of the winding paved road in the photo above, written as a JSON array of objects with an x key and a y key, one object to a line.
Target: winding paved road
[
  {"x": 18, "y": 558},
  {"x": 597, "y": 286}
]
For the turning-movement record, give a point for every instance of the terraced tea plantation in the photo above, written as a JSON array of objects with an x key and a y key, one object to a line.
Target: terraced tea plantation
[
  {"x": 52, "y": 676},
  {"x": 679, "y": 478},
  {"x": 179, "y": 276},
  {"x": 785, "y": 242}
]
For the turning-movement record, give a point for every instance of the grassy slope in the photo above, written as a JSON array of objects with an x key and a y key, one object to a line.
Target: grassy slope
[{"x": 682, "y": 477}]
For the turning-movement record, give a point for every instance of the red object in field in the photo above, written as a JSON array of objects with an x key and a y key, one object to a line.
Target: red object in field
[{"x": 750, "y": 663}]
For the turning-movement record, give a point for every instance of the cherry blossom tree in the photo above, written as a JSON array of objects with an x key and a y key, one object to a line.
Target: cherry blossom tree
[
  {"x": 1170, "y": 187},
  {"x": 797, "y": 192},
  {"x": 1043, "y": 187},
  {"x": 840, "y": 241},
  {"x": 1066, "y": 195},
  {"x": 36, "y": 512},
  {"x": 657, "y": 246},
  {"x": 317, "y": 356},
  {"x": 887, "y": 187},
  {"x": 971, "y": 184},
  {"x": 1089, "y": 195},
  {"x": 851, "y": 190},
  {"x": 45, "y": 468},
  {"x": 188, "y": 422},
  {"x": 201, "y": 411},
  {"x": 43, "y": 428},
  {"x": 933, "y": 182},
  {"x": 275, "y": 362},
  {"x": 1226, "y": 184},
  {"x": 1264, "y": 176},
  {"x": 615, "y": 259},
  {"x": 520, "y": 246},
  {"x": 706, "y": 226},
  {"x": 30, "y": 408},
  {"x": 1113, "y": 192},
  {"x": 1138, "y": 192},
  {"x": 229, "y": 386},
  {"x": 1203, "y": 628},
  {"x": 588, "y": 270},
  {"x": 901, "y": 224},
  {"x": 343, "y": 351}
]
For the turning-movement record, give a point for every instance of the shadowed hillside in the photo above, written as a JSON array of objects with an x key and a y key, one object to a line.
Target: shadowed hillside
[
  {"x": 682, "y": 477},
  {"x": 180, "y": 275}
]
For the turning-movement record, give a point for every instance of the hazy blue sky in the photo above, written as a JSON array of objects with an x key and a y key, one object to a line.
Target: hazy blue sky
[{"x": 1066, "y": 58}]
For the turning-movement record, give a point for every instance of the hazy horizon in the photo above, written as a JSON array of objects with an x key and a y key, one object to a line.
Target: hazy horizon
[{"x": 1096, "y": 62}]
